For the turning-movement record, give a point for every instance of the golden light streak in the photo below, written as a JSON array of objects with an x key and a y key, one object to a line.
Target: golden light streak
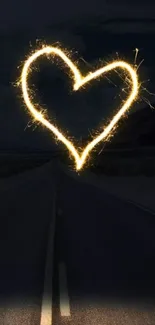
[
  {"x": 136, "y": 54},
  {"x": 146, "y": 100},
  {"x": 79, "y": 81}
]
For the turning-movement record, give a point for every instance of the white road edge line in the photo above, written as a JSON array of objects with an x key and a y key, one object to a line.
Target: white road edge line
[
  {"x": 142, "y": 207},
  {"x": 46, "y": 306},
  {"x": 64, "y": 298}
]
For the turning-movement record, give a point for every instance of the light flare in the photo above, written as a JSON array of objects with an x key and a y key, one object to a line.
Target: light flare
[{"x": 79, "y": 81}]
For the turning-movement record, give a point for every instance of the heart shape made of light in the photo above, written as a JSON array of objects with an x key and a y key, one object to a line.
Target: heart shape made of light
[{"x": 79, "y": 81}]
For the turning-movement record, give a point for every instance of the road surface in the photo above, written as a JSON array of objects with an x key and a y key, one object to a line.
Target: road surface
[
  {"x": 104, "y": 259},
  {"x": 104, "y": 255}
]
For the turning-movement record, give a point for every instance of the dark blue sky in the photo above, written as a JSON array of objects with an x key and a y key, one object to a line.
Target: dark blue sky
[
  {"x": 19, "y": 17},
  {"x": 16, "y": 13},
  {"x": 19, "y": 12}
]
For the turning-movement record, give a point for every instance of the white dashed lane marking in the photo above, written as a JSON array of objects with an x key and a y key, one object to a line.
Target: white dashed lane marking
[{"x": 64, "y": 298}]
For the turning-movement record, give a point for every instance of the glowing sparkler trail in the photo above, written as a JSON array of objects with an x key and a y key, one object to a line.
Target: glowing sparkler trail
[{"x": 79, "y": 81}]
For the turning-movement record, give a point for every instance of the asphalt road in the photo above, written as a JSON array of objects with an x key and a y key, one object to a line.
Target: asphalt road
[
  {"x": 104, "y": 259},
  {"x": 25, "y": 216},
  {"x": 104, "y": 255}
]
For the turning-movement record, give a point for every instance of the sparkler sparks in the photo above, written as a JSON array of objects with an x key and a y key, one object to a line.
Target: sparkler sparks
[{"x": 78, "y": 82}]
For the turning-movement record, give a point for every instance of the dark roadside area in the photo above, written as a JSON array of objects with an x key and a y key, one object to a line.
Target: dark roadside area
[{"x": 26, "y": 214}]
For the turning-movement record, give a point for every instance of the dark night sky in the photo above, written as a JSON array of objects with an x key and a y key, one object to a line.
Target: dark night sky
[
  {"x": 29, "y": 18},
  {"x": 17, "y": 12},
  {"x": 21, "y": 13}
]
